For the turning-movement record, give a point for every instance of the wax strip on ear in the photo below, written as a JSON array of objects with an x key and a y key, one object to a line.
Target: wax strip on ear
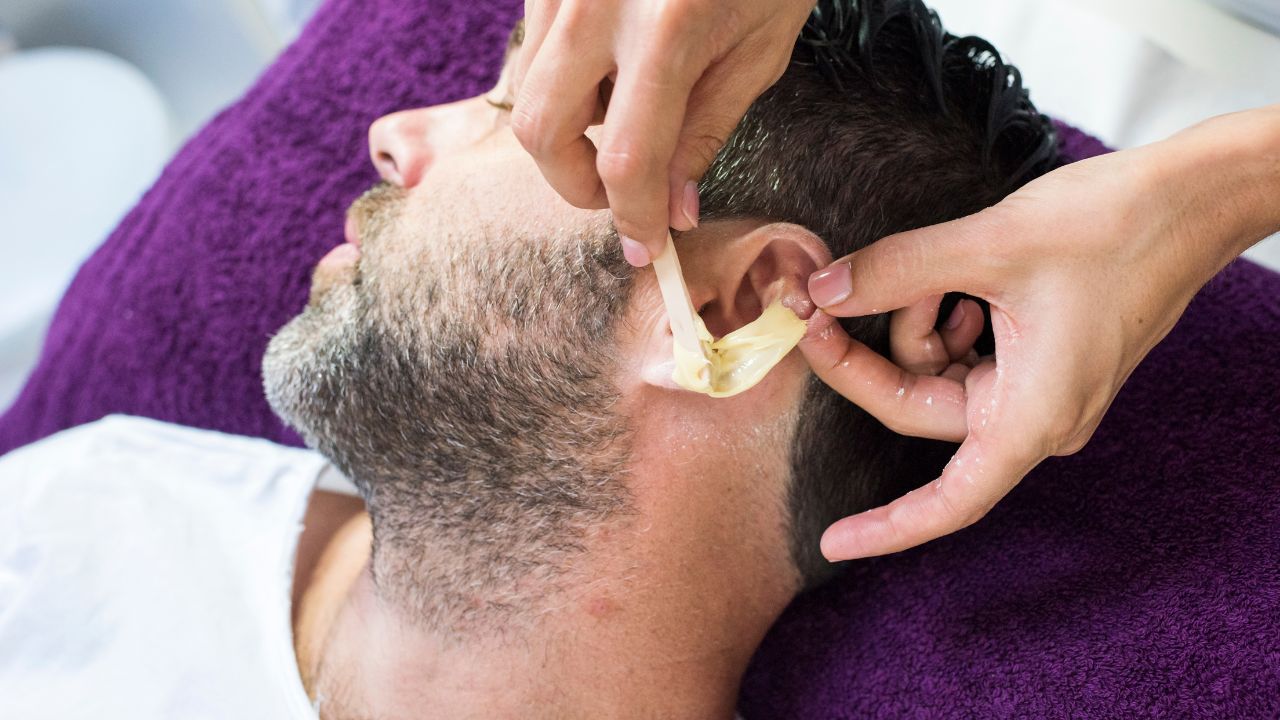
[{"x": 741, "y": 359}]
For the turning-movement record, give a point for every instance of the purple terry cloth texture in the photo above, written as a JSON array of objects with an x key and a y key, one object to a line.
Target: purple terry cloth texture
[{"x": 1138, "y": 578}]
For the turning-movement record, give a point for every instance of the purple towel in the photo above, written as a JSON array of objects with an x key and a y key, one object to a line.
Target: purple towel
[{"x": 1138, "y": 578}]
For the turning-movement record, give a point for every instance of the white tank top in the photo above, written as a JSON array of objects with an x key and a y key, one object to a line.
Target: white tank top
[{"x": 145, "y": 574}]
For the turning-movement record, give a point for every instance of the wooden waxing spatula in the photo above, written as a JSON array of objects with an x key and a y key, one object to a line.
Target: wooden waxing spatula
[{"x": 686, "y": 326}]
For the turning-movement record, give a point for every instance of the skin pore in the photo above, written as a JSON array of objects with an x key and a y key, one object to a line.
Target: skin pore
[{"x": 658, "y": 611}]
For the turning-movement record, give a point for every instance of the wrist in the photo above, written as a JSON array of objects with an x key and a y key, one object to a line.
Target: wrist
[{"x": 1222, "y": 180}]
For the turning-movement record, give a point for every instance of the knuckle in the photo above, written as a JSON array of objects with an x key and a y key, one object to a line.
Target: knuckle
[
  {"x": 622, "y": 166},
  {"x": 1050, "y": 443},
  {"x": 958, "y": 512},
  {"x": 972, "y": 515},
  {"x": 1071, "y": 448},
  {"x": 667, "y": 22},
  {"x": 1077, "y": 442},
  {"x": 1049, "y": 435},
  {"x": 1066, "y": 432},
  {"x": 674, "y": 14},
  {"x": 529, "y": 128},
  {"x": 668, "y": 15},
  {"x": 672, "y": 25},
  {"x": 699, "y": 149},
  {"x": 575, "y": 21}
]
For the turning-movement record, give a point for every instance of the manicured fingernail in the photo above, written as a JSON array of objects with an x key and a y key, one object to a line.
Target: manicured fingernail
[
  {"x": 635, "y": 253},
  {"x": 689, "y": 205},
  {"x": 957, "y": 316},
  {"x": 831, "y": 285}
]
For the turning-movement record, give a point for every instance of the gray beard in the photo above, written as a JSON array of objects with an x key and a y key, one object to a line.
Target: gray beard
[{"x": 487, "y": 441}]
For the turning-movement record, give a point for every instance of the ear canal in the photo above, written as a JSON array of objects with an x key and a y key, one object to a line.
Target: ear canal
[{"x": 731, "y": 310}]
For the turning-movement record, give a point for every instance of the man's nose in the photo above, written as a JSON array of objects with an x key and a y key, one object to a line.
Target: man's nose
[
  {"x": 400, "y": 148},
  {"x": 403, "y": 145}
]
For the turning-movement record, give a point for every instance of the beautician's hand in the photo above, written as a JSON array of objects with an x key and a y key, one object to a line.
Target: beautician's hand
[
  {"x": 682, "y": 73},
  {"x": 1086, "y": 269}
]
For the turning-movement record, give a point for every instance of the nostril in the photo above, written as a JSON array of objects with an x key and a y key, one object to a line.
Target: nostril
[{"x": 387, "y": 164}]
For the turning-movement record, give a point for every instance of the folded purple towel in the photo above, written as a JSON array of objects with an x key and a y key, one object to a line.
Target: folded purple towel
[{"x": 1138, "y": 578}]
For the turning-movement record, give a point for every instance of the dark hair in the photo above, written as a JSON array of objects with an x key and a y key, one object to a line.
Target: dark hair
[{"x": 882, "y": 123}]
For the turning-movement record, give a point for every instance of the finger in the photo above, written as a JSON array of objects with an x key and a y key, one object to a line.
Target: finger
[
  {"x": 957, "y": 372},
  {"x": 920, "y": 406},
  {"x": 913, "y": 343},
  {"x": 961, "y": 255},
  {"x": 962, "y": 329},
  {"x": 717, "y": 103},
  {"x": 554, "y": 106},
  {"x": 539, "y": 15},
  {"x": 992, "y": 459},
  {"x": 641, "y": 128}
]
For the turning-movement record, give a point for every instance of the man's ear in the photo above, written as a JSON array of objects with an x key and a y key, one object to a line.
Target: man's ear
[
  {"x": 737, "y": 269},
  {"x": 733, "y": 271}
]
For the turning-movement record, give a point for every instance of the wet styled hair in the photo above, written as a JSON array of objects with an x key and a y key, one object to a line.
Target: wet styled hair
[
  {"x": 964, "y": 75},
  {"x": 882, "y": 123}
]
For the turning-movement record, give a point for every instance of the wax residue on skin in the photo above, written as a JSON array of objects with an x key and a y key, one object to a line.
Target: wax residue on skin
[{"x": 740, "y": 359}]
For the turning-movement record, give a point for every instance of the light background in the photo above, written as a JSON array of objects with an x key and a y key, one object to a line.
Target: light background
[{"x": 95, "y": 95}]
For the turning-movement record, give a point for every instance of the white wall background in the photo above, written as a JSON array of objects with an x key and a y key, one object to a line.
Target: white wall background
[
  {"x": 99, "y": 93},
  {"x": 95, "y": 96},
  {"x": 1135, "y": 71}
]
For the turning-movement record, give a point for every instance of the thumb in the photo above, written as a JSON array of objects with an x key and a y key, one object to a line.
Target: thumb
[
  {"x": 716, "y": 105},
  {"x": 900, "y": 270}
]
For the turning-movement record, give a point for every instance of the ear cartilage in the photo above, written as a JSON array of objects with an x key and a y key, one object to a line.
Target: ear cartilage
[{"x": 736, "y": 362}]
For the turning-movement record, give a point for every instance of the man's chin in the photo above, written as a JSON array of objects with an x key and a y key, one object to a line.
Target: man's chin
[{"x": 307, "y": 349}]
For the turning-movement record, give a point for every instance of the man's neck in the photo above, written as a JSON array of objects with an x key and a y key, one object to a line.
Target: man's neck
[{"x": 651, "y": 635}]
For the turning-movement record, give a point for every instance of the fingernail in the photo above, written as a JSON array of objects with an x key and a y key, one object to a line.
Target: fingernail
[
  {"x": 831, "y": 285},
  {"x": 957, "y": 316},
  {"x": 689, "y": 205},
  {"x": 635, "y": 253}
]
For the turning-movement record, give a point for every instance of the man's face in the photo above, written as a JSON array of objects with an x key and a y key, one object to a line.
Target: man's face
[
  {"x": 480, "y": 362},
  {"x": 456, "y": 358}
]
